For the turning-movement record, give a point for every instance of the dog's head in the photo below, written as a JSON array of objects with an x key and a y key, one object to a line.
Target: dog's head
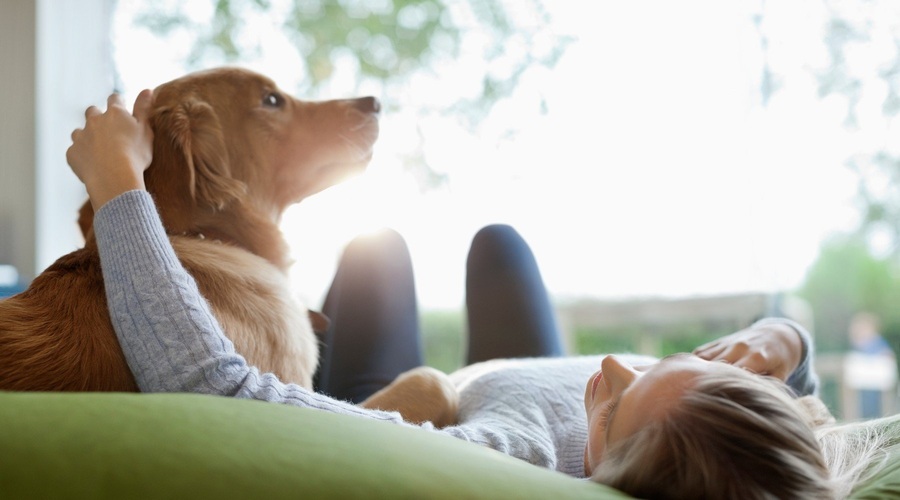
[{"x": 229, "y": 141}]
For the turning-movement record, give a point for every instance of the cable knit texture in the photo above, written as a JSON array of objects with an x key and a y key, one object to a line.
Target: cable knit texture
[{"x": 531, "y": 409}]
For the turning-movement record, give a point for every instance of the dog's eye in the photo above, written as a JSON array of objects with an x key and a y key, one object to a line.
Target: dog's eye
[{"x": 273, "y": 100}]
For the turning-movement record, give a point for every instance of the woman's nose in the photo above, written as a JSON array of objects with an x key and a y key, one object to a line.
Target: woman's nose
[{"x": 618, "y": 374}]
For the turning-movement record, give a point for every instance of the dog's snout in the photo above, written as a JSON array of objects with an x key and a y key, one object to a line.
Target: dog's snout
[{"x": 367, "y": 104}]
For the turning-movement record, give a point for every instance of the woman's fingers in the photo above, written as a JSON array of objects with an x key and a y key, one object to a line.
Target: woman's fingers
[
  {"x": 710, "y": 351},
  {"x": 114, "y": 100}
]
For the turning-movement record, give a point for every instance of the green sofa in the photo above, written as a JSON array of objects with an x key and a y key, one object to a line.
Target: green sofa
[{"x": 91, "y": 445}]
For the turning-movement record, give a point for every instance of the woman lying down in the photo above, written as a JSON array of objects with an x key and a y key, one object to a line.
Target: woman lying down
[{"x": 685, "y": 426}]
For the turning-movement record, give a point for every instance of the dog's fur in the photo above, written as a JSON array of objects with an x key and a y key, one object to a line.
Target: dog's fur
[
  {"x": 421, "y": 394},
  {"x": 230, "y": 153}
]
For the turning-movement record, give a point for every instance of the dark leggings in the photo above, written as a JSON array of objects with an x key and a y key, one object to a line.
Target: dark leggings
[{"x": 374, "y": 333}]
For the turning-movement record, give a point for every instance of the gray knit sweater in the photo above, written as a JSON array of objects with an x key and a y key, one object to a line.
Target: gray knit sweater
[{"x": 531, "y": 409}]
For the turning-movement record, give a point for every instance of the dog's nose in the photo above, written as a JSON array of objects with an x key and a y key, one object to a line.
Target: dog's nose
[{"x": 367, "y": 104}]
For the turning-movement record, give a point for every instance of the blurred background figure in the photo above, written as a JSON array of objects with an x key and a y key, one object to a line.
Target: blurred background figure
[{"x": 871, "y": 367}]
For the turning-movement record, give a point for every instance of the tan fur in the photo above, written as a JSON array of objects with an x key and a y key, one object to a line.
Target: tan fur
[
  {"x": 421, "y": 394},
  {"x": 225, "y": 166}
]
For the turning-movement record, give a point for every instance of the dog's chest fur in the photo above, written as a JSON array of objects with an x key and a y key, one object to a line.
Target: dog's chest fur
[{"x": 253, "y": 301}]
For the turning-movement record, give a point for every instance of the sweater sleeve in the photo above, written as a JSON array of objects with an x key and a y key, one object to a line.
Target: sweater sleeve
[
  {"x": 803, "y": 380},
  {"x": 171, "y": 340}
]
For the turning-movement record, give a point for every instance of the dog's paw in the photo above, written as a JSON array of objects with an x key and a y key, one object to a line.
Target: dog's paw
[{"x": 419, "y": 395}]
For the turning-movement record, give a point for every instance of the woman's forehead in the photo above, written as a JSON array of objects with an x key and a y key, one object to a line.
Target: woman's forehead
[{"x": 653, "y": 395}]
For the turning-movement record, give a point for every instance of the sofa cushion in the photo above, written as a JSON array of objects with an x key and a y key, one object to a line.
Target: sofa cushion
[{"x": 92, "y": 445}]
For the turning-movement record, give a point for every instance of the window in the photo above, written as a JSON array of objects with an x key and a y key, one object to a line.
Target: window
[{"x": 671, "y": 149}]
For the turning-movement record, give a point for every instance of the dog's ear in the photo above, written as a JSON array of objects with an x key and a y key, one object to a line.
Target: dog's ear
[{"x": 194, "y": 128}]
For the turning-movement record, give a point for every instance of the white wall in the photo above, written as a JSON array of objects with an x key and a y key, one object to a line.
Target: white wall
[
  {"x": 74, "y": 70},
  {"x": 17, "y": 133},
  {"x": 56, "y": 61}
]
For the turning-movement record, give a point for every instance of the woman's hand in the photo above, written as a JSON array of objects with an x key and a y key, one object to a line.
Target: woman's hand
[
  {"x": 109, "y": 155},
  {"x": 768, "y": 349}
]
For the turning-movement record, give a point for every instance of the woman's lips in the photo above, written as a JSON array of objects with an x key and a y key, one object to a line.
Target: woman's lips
[{"x": 596, "y": 382}]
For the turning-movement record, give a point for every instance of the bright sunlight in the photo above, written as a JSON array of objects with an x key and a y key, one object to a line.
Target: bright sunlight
[{"x": 645, "y": 163}]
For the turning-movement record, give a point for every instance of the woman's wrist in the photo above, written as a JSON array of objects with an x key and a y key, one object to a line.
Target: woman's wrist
[{"x": 111, "y": 186}]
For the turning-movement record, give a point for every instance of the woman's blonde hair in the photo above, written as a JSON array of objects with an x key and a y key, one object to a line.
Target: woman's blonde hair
[
  {"x": 857, "y": 451},
  {"x": 740, "y": 436}
]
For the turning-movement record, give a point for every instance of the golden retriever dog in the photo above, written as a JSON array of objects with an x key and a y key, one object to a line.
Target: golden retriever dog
[{"x": 231, "y": 153}]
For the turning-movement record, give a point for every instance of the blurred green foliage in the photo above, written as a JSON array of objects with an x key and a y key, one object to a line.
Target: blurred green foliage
[
  {"x": 443, "y": 339},
  {"x": 846, "y": 279},
  {"x": 666, "y": 340},
  {"x": 599, "y": 341},
  {"x": 389, "y": 40}
]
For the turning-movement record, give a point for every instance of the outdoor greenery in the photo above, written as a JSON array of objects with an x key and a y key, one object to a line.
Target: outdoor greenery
[
  {"x": 672, "y": 338},
  {"x": 443, "y": 334},
  {"x": 847, "y": 279},
  {"x": 386, "y": 43}
]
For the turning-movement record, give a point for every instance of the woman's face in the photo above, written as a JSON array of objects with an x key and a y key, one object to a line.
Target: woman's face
[{"x": 621, "y": 399}]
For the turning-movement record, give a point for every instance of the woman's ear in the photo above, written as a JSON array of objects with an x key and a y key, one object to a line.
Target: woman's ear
[{"x": 194, "y": 128}]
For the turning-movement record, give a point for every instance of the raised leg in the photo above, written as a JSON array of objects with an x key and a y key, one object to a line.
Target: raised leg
[
  {"x": 509, "y": 311},
  {"x": 374, "y": 333}
]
